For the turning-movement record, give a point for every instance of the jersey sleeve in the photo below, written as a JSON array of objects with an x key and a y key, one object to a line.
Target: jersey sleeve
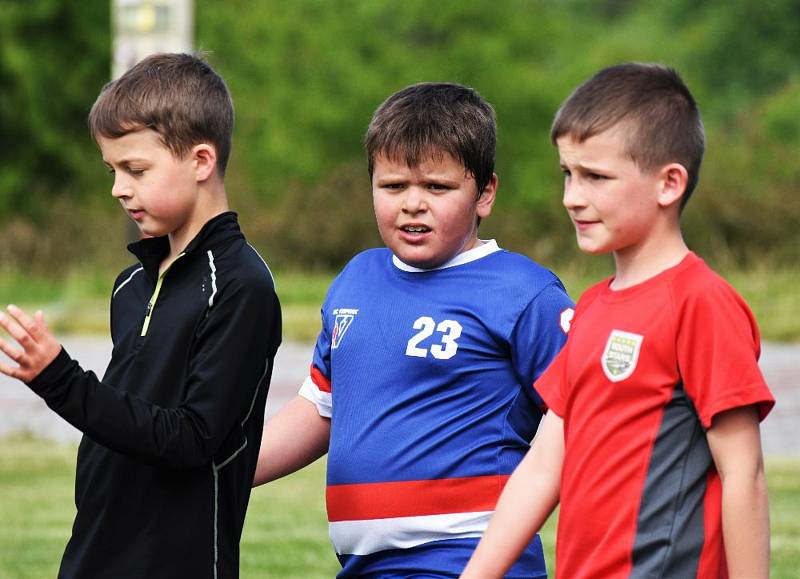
[
  {"x": 552, "y": 383},
  {"x": 317, "y": 386},
  {"x": 718, "y": 348},
  {"x": 540, "y": 334}
]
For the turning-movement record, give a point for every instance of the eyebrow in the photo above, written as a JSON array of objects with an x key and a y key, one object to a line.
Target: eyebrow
[
  {"x": 582, "y": 167},
  {"x": 126, "y": 160}
]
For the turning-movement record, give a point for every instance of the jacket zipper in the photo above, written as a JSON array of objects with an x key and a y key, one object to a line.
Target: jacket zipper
[{"x": 152, "y": 303}]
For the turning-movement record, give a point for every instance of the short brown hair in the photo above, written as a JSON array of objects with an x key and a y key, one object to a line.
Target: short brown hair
[
  {"x": 426, "y": 118},
  {"x": 177, "y": 95},
  {"x": 661, "y": 117}
]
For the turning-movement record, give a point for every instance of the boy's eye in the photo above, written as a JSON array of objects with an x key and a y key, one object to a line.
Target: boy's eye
[
  {"x": 596, "y": 177},
  {"x": 439, "y": 187},
  {"x": 135, "y": 172},
  {"x": 392, "y": 186}
]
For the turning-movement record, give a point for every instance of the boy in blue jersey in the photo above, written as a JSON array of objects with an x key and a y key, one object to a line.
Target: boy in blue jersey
[{"x": 420, "y": 387}]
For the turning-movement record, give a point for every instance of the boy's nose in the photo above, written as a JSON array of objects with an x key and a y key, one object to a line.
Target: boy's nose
[
  {"x": 414, "y": 200},
  {"x": 572, "y": 194},
  {"x": 120, "y": 188}
]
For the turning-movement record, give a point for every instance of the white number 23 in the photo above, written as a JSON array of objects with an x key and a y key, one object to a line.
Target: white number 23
[{"x": 450, "y": 330}]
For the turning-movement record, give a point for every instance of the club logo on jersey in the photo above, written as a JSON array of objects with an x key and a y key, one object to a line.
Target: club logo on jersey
[
  {"x": 621, "y": 355},
  {"x": 342, "y": 319}
]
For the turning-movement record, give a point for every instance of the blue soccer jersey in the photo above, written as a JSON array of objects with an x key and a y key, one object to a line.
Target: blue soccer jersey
[{"x": 427, "y": 378}]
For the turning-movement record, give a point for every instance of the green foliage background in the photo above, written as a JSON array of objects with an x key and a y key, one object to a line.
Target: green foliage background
[{"x": 307, "y": 74}]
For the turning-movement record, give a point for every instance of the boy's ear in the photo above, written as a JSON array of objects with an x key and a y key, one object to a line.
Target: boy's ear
[
  {"x": 487, "y": 197},
  {"x": 204, "y": 157},
  {"x": 674, "y": 178}
]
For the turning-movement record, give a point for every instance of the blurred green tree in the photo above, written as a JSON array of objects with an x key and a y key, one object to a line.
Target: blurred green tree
[
  {"x": 54, "y": 56},
  {"x": 306, "y": 76}
]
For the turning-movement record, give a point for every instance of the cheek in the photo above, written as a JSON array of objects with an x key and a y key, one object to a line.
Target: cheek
[
  {"x": 159, "y": 202},
  {"x": 385, "y": 211},
  {"x": 165, "y": 202},
  {"x": 459, "y": 222}
]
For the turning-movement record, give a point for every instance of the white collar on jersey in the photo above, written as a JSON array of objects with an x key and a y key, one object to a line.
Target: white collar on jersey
[{"x": 487, "y": 247}]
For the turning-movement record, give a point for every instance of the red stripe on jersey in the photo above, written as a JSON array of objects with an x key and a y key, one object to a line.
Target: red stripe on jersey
[
  {"x": 713, "y": 562},
  {"x": 320, "y": 380},
  {"x": 354, "y": 502}
]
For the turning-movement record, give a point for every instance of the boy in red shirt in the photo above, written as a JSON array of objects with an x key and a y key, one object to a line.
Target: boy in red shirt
[{"x": 652, "y": 441}]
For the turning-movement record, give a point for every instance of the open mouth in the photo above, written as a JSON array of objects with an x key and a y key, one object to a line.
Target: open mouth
[{"x": 416, "y": 229}]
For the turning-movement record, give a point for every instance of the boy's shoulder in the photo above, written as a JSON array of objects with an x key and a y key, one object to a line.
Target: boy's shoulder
[
  {"x": 126, "y": 276},
  {"x": 246, "y": 264},
  {"x": 506, "y": 267},
  {"x": 697, "y": 286},
  {"x": 697, "y": 276},
  {"x": 518, "y": 268},
  {"x": 224, "y": 255},
  {"x": 493, "y": 272},
  {"x": 691, "y": 283},
  {"x": 366, "y": 264},
  {"x": 368, "y": 256}
]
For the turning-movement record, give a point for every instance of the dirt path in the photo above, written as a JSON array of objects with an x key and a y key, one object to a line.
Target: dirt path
[{"x": 21, "y": 410}]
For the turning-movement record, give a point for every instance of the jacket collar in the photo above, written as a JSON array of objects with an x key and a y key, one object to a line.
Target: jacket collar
[{"x": 217, "y": 231}]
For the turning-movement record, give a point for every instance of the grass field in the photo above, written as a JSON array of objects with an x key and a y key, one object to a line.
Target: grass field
[
  {"x": 79, "y": 303},
  {"x": 285, "y": 536}
]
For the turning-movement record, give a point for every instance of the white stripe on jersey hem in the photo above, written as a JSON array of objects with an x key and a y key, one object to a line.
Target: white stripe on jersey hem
[
  {"x": 322, "y": 400},
  {"x": 123, "y": 284},
  {"x": 486, "y": 248},
  {"x": 371, "y": 536}
]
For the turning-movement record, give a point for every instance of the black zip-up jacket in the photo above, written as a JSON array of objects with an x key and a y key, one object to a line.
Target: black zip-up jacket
[{"x": 172, "y": 432}]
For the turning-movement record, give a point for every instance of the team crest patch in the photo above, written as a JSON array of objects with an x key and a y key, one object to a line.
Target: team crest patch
[
  {"x": 621, "y": 355},
  {"x": 343, "y": 317}
]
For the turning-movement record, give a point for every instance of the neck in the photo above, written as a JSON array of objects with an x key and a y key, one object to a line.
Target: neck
[
  {"x": 210, "y": 203},
  {"x": 637, "y": 264}
]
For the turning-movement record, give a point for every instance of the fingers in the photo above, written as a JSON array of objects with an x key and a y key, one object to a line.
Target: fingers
[
  {"x": 27, "y": 323},
  {"x": 39, "y": 317},
  {"x": 12, "y": 372},
  {"x": 39, "y": 346},
  {"x": 16, "y": 356},
  {"x": 8, "y": 370},
  {"x": 12, "y": 353},
  {"x": 15, "y": 330}
]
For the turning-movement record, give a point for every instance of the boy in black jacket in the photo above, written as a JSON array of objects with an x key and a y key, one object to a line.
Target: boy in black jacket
[{"x": 171, "y": 433}]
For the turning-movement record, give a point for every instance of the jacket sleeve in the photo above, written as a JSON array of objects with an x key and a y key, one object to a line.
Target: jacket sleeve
[{"x": 233, "y": 351}]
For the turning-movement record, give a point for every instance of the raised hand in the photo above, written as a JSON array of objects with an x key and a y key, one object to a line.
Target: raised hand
[{"x": 38, "y": 345}]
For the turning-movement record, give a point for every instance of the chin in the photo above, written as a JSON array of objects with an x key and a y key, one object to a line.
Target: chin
[
  {"x": 420, "y": 263},
  {"x": 590, "y": 249},
  {"x": 151, "y": 232}
]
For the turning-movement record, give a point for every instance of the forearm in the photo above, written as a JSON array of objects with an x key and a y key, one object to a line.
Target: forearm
[
  {"x": 292, "y": 439},
  {"x": 735, "y": 444},
  {"x": 527, "y": 500},
  {"x": 745, "y": 525},
  {"x": 186, "y": 436}
]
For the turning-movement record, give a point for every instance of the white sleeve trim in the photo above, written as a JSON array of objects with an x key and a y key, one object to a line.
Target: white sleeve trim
[{"x": 322, "y": 400}]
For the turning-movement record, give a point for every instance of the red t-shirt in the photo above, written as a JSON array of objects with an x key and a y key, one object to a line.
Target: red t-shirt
[{"x": 641, "y": 377}]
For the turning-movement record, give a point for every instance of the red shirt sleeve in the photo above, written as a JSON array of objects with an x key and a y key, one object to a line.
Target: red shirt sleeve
[
  {"x": 718, "y": 347},
  {"x": 552, "y": 383}
]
